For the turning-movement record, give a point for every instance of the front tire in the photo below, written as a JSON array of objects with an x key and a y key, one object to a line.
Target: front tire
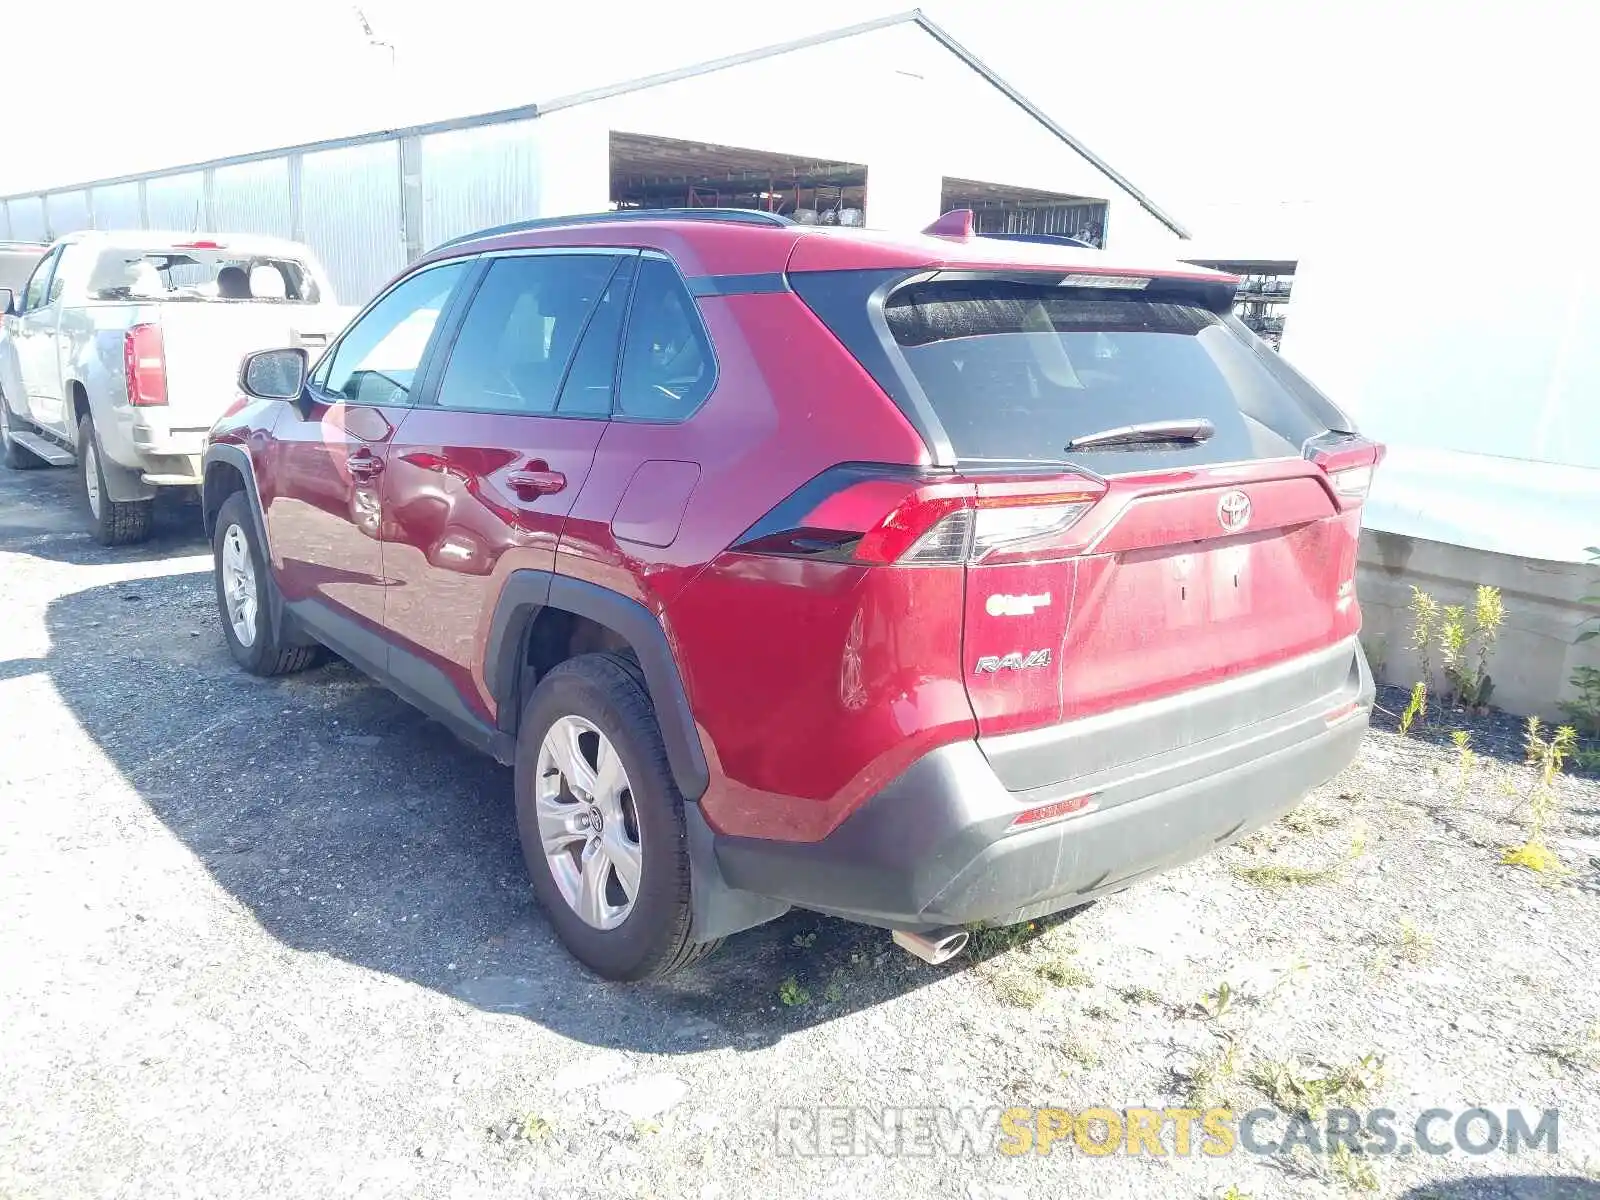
[
  {"x": 243, "y": 603},
  {"x": 601, "y": 821},
  {"x": 113, "y": 522}
]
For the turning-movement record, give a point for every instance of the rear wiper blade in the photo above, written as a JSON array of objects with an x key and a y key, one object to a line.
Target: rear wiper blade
[{"x": 1191, "y": 429}]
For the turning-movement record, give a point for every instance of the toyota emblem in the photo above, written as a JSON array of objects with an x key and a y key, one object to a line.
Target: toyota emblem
[{"x": 1233, "y": 511}]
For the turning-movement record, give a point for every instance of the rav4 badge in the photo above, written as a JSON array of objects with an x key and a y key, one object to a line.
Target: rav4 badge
[{"x": 1015, "y": 661}]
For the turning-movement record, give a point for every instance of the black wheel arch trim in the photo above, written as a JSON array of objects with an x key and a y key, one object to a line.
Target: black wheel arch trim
[
  {"x": 527, "y": 591},
  {"x": 236, "y": 458},
  {"x": 283, "y": 621}
]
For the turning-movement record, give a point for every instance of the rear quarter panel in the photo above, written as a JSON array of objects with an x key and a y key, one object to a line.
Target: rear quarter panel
[
  {"x": 91, "y": 336},
  {"x": 808, "y": 682}
]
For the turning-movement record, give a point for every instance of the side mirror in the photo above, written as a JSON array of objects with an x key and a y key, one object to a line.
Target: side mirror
[
  {"x": 274, "y": 374},
  {"x": 7, "y": 299}
]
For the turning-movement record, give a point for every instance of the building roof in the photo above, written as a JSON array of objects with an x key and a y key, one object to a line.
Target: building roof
[{"x": 522, "y": 112}]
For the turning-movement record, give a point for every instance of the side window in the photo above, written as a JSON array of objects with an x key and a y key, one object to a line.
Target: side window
[
  {"x": 521, "y": 331},
  {"x": 377, "y": 359},
  {"x": 593, "y": 374},
  {"x": 74, "y": 264},
  {"x": 39, "y": 282},
  {"x": 667, "y": 367}
]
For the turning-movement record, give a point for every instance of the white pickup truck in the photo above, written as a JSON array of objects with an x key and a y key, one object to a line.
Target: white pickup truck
[{"x": 123, "y": 349}]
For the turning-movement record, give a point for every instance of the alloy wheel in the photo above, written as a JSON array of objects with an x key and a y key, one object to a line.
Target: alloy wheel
[
  {"x": 239, "y": 584},
  {"x": 588, "y": 825}
]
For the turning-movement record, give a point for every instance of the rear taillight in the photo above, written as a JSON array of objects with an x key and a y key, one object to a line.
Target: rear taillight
[
  {"x": 144, "y": 359},
  {"x": 1349, "y": 461},
  {"x": 886, "y": 515}
]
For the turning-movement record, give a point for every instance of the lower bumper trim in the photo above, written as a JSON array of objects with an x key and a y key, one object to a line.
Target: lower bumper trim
[{"x": 938, "y": 847}]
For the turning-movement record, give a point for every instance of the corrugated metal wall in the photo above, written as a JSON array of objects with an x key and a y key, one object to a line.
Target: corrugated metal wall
[
  {"x": 116, "y": 206},
  {"x": 68, "y": 212},
  {"x": 475, "y": 178},
  {"x": 351, "y": 214},
  {"x": 27, "y": 219},
  {"x": 349, "y": 203},
  {"x": 251, "y": 197},
  {"x": 176, "y": 202}
]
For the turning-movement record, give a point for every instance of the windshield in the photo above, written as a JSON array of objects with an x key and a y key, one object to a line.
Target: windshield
[{"x": 201, "y": 274}]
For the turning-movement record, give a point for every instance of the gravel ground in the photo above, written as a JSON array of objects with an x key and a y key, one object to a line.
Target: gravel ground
[{"x": 274, "y": 938}]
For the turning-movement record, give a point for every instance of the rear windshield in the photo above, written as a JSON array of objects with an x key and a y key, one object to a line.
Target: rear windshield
[
  {"x": 1010, "y": 370},
  {"x": 1018, "y": 371},
  {"x": 202, "y": 275}
]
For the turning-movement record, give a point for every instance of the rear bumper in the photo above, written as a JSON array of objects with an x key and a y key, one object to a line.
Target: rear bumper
[
  {"x": 937, "y": 846},
  {"x": 151, "y": 452},
  {"x": 169, "y": 457}
]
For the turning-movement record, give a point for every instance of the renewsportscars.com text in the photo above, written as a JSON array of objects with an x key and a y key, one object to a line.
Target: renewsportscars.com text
[{"x": 1158, "y": 1132}]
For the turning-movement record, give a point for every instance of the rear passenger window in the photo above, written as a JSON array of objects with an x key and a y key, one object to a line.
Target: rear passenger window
[
  {"x": 521, "y": 331},
  {"x": 593, "y": 375},
  {"x": 667, "y": 368}
]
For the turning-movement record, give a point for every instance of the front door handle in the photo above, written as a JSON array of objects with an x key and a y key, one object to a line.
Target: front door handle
[
  {"x": 364, "y": 464},
  {"x": 541, "y": 481}
]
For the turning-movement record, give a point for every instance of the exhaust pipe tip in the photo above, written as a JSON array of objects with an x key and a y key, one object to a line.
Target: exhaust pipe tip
[{"x": 935, "y": 947}]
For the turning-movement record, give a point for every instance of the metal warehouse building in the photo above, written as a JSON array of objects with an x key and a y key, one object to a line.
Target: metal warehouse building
[{"x": 889, "y": 123}]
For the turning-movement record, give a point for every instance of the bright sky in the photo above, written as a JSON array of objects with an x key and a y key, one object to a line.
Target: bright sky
[{"x": 1230, "y": 113}]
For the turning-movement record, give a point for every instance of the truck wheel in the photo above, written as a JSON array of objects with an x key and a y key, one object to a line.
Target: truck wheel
[
  {"x": 243, "y": 597},
  {"x": 16, "y": 457},
  {"x": 114, "y": 522},
  {"x": 601, "y": 821}
]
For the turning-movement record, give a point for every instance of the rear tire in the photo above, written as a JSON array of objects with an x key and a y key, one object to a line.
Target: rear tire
[
  {"x": 605, "y": 696},
  {"x": 16, "y": 457},
  {"x": 244, "y": 597},
  {"x": 113, "y": 522}
]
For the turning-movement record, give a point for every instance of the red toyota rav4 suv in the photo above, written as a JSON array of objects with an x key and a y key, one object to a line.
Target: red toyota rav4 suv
[{"x": 922, "y": 580}]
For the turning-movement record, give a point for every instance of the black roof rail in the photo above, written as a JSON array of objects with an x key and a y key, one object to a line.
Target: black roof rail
[
  {"x": 733, "y": 216},
  {"x": 1048, "y": 239}
]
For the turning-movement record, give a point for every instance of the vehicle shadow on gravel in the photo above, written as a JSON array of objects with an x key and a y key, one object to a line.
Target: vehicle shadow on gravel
[
  {"x": 350, "y": 825},
  {"x": 1509, "y": 1187},
  {"x": 42, "y": 514}
]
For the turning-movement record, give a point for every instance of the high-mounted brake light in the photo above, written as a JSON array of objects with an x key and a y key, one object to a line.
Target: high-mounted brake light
[
  {"x": 144, "y": 361},
  {"x": 1349, "y": 462},
  {"x": 198, "y": 246},
  {"x": 1121, "y": 282},
  {"x": 885, "y": 516}
]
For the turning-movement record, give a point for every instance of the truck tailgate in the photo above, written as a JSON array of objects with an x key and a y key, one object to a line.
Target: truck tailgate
[{"x": 204, "y": 343}]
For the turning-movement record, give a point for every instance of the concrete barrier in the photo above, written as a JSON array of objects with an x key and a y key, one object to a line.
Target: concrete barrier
[{"x": 1537, "y": 652}]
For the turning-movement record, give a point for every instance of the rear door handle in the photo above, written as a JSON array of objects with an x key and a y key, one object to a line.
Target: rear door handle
[
  {"x": 364, "y": 464},
  {"x": 534, "y": 483}
]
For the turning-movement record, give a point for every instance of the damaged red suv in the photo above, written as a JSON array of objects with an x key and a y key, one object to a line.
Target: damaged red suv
[{"x": 926, "y": 581}]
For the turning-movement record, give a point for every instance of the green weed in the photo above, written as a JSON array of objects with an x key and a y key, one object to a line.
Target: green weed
[
  {"x": 792, "y": 994},
  {"x": 1290, "y": 1086},
  {"x": 1416, "y": 707},
  {"x": 1547, "y": 755}
]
